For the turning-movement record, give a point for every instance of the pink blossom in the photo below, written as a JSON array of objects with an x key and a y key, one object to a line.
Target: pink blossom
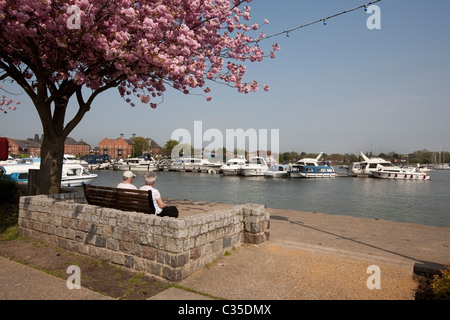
[
  {"x": 145, "y": 99},
  {"x": 138, "y": 48}
]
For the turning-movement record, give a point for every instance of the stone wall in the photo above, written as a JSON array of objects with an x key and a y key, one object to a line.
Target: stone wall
[{"x": 168, "y": 248}]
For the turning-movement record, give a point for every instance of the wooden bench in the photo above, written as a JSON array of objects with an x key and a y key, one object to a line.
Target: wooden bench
[{"x": 121, "y": 199}]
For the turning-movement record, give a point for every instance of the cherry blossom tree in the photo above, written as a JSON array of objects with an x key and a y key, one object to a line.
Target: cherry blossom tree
[{"x": 57, "y": 50}]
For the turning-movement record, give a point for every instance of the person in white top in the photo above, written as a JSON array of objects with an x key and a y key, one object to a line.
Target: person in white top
[
  {"x": 161, "y": 209},
  {"x": 127, "y": 182}
]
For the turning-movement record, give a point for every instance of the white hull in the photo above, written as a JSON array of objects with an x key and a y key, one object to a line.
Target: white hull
[
  {"x": 232, "y": 167},
  {"x": 277, "y": 171},
  {"x": 256, "y": 167},
  {"x": 231, "y": 171},
  {"x": 73, "y": 175},
  {"x": 252, "y": 172},
  {"x": 361, "y": 173},
  {"x": 195, "y": 164},
  {"x": 444, "y": 166},
  {"x": 401, "y": 175},
  {"x": 366, "y": 167},
  {"x": 135, "y": 167},
  {"x": 78, "y": 182},
  {"x": 312, "y": 175},
  {"x": 272, "y": 174}
]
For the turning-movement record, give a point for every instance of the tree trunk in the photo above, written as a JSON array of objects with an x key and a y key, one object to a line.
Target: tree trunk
[{"x": 48, "y": 180}]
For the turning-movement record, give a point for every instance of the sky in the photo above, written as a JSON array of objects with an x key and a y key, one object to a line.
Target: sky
[{"x": 336, "y": 88}]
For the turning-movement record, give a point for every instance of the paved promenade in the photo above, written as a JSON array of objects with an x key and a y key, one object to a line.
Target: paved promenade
[{"x": 309, "y": 256}]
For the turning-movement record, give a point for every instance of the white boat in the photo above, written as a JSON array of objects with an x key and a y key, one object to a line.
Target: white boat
[
  {"x": 232, "y": 167},
  {"x": 368, "y": 165},
  {"x": 442, "y": 166},
  {"x": 142, "y": 163},
  {"x": 256, "y": 166},
  {"x": 76, "y": 175},
  {"x": 73, "y": 175},
  {"x": 189, "y": 163},
  {"x": 277, "y": 171},
  {"x": 8, "y": 161},
  {"x": 19, "y": 171},
  {"x": 400, "y": 174},
  {"x": 99, "y": 166},
  {"x": 420, "y": 168},
  {"x": 311, "y": 168},
  {"x": 71, "y": 159}
]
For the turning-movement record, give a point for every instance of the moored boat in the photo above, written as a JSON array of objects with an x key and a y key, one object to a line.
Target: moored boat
[
  {"x": 398, "y": 173},
  {"x": 71, "y": 159},
  {"x": 76, "y": 175},
  {"x": 232, "y": 167},
  {"x": 277, "y": 171},
  {"x": 189, "y": 163},
  {"x": 311, "y": 168},
  {"x": 256, "y": 166},
  {"x": 368, "y": 165},
  {"x": 142, "y": 163},
  {"x": 9, "y": 161},
  {"x": 19, "y": 171},
  {"x": 73, "y": 175}
]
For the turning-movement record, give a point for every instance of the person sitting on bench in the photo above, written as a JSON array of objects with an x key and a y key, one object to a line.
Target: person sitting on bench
[
  {"x": 161, "y": 209},
  {"x": 127, "y": 181}
]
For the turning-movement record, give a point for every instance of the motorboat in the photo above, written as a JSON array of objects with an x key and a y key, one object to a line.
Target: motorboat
[
  {"x": 73, "y": 175},
  {"x": 400, "y": 174},
  {"x": 256, "y": 166},
  {"x": 71, "y": 159},
  {"x": 442, "y": 166},
  {"x": 8, "y": 161},
  {"x": 101, "y": 162},
  {"x": 189, "y": 163},
  {"x": 311, "y": 168},
  {"x": 143, "y": 163},
  {"x": 277, "y": 171},
  {"x": 19, "y": 171},
  {"x": 420, "y": 168},
  {"x": 76, "y": 175},
  {"x": 232, "y": 167},
  {"x": 368, "y": 165}
]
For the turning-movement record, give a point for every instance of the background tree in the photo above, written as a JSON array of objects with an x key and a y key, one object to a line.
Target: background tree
[
  {"x": 168, "y": 147},
  {"x": 140, "y": 144},
  {"x": 57, "y": 49}
]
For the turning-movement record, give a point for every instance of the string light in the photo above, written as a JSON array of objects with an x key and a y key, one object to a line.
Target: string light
[{"x": 324, "y": 20}]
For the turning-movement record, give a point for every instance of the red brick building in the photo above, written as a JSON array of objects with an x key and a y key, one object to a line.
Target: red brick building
[
  {"x": 32, "y": 147},
  {"x": 76, "y": 148},
  {"x": 24, "y": 147},
  {"x": 121, "y": 148},
  {"x": 116, "y": 148}
]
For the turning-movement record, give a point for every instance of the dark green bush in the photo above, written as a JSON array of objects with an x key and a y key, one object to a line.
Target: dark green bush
[{"x": 9, "y": 190}]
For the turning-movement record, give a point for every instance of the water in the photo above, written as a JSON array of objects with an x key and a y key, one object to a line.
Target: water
[{"x": 423, "y": 202}]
